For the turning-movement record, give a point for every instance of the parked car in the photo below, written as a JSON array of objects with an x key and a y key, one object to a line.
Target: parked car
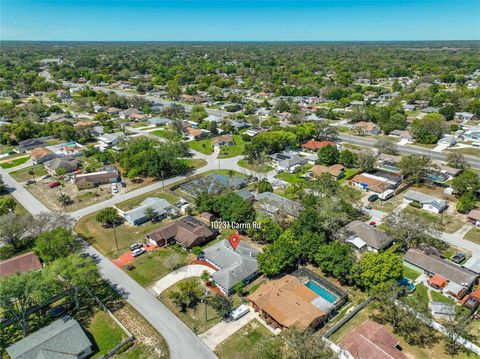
[
  {"x": 138, "y": 252},
  {"x": 373, "y": 198},
  {"x": 458, "y": 257},
  {"x": 54, "y": 184},
  {"x": 46, "y": 177},
  {"x": 29, "y": 182},
  {"x": 135, "y": 246},
  {"x": 123, "y": 184}
]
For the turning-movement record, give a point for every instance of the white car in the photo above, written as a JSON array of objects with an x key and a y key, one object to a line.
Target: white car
[{"x": 138, "y": 252}]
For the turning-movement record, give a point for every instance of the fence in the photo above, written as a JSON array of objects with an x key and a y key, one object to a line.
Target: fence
[{"x": 347, "y": 318}]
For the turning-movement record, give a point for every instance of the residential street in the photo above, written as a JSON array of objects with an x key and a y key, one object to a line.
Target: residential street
[{"x": 182, "y": 342}]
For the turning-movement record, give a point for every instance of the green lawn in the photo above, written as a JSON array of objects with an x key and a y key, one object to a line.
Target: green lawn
[
  {"x": 410, "y": 273},
  {"x": 105, "y": 332},
  {"x": 202, "y": 146},
  {"x": 349, "y": 173},
  {"x": 447, "y": 222},
  {"x": 233, "y": 151},
  {"x": 169, "y": 135},
  {"x": 150, "y": 267},
  {"x": 135, "y": 202},
  {"x": 470, "y": 151},
  {"x": 473, "y": 235},
  {"x": 254, "y": 166},
  {"x": 103, "y": 238},
  {"x": 194, "y": 318},
  {"x": 388, "y": 205},
  {"x": 23, "y": 175},
  {"x": 196, "y": 163},
  {"x": 15, "y": 162},
  {"x": 291, "y": 177},
  {"x": 247, "y": 343},
  {"x": 441, "y": 298}
]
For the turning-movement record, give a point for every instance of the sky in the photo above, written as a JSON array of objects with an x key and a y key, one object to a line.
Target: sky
[{"x": 234, "y": 20}]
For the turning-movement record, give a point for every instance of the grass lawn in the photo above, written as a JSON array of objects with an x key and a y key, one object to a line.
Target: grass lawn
[
  {"x": 246, "y": 343},
  {"x": 291, "y": 177},
  {"x": 194, "y": 318},
  {"x": 441, "y": 298},
  {"x": 349, "y": 172},
  {"x": 150, "y": 267},
  {"x": 135, "y": 202},
  {"x": 473, "y": 235},
  {"x": 232, "y": 151},
  {"x": 469, "y": 151},
  {"x": 169, "y": 135},
  {"x": 388, "y": 205},
  {"x": 105, "y": 333},
  {"x": 447, "y": 222},
  {"x": 203, "y": 146},
  {"x": 196, "y": 163},
  {"x": 255, "y": 167},
  {"x": 15, "y": 162},
  {"x": 23, "y": 175},
  {"x": 103, "y": 238},
  {"x": 410, "y": 273}
]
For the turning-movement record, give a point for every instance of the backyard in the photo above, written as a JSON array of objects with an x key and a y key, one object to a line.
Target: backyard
[{"x": 247, "y": 343}]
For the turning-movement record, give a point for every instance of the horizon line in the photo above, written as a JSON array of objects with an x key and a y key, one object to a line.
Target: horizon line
[{"x": 240, "y": 41}]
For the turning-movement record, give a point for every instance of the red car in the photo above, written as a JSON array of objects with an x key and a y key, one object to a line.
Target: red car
[{"x": 54, "y": 184}]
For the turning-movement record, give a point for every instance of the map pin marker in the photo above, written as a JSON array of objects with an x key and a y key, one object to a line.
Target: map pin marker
[{"x": 234, "y": 240}]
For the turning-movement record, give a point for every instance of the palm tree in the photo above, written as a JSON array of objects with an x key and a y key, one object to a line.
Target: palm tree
[{"x": 151, "y": 214}]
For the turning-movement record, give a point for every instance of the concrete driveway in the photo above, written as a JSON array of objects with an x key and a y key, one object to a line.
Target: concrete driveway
[{"x": 192, "y": 270}]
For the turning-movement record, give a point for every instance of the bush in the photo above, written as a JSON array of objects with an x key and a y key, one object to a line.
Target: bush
[{"x": 415, "y": 205}]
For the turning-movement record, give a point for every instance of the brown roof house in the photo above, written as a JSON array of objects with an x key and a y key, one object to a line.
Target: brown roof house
[
  {"x": 225, "y": 140},
  {"x": 286, "y": 303},
  {"x": 366, "y": 128},
  {"x": 195, "y": 133},
  {"x": 337, "y": 171},
  {"x": 474, "y": 217},
  {"x": 27, "y": 262},
  {"x": 187, "y": 231},
  {"x": 372, "y": 341},
  {"x": 41, "y": 155}
]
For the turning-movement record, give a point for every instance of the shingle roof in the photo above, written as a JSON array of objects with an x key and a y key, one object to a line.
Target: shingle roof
[
  {"x": 436, "y": 265},
  {"x": 64, "y": 336},
  {"x": 234, "y": 265},
  {"x": 160, "y": 206},
  {"x": 371, "y": 236},
  {"x": 23, "y": 263},
  {"x": 425, "y": 199}
]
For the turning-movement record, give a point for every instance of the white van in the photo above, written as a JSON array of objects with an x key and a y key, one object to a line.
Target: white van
[{"x": 239, "y": 312}]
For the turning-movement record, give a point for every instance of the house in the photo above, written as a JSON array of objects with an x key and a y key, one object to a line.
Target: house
[
  {"x": 372, "y": 341},
  {"x": 188, "y": 231},
  {"x": 471, "y": 300},
  {"x": 30, "y": 144},
  {"x": 27, "y": 262},
  {"x": 251, "y": 133},
  {"x": 428, "y": 203},
  {"x": 313, "y": 145},
  {"x": 195, "y": 133},
  {"x": 212, "y": 118},
  {"x": 336, "y": 171},
  {"x": 365, "y": 237},
  {"x": 113, "y": 110},
  {"x": 67, "y": 149},
  {"x": 429, "y": 110},
  {"x": 447, "y": 140},
  {"x": 402, "y": 134},
  {"x": 110, "y": 139},
  {"x": 286, "y": 303},
  {"x": 474, "y": 217},
  {"x": 234, "y": 265},
  {"x": 442, "y": 311},
  {"x": 373, "y": 183},
  {"x": 62, "y": 339},
  {"x": 93, "y": 179},
  {"x": 124, "y": 114},
  {"x": 138, "y": 215},
  {"x": 245, "y": 194},
  {"x": 464, "y": 116},
  {"x": 65, "y": 164},
  {"x": 137, "y": 116},
  {"x": 274, "y": 204},
  {"x": 288, "y": 161},
  {"x": 460, "y": 280},
  {"x": 225, "y": 140},
  {"x": 41, "y": 155},
  {"x": 388, "y": 163},
  {"x": 366, "y": 128},
  {"x": 159, "y": 121}
]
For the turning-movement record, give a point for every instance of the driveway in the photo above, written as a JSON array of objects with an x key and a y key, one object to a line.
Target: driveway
[
  {"x": 192, "y": 270},
  {"x": 127, "y": 257},
  {"x": 217, "y": 334},
  {"x": 182, "y": 342}
]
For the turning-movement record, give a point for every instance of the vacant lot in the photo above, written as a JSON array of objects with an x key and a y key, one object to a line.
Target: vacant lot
[
  {"x": 255, "y": 166},
  {"x": 24, "y": 175},
  {"x": 103, "y": 238},
  {"x": 153, "y": 265},
  {"x": 232, "y": 151},
  {"x": 388, "y": 205},
  {"x": 10, "y": 163},
  {"x": 202, "y": 146},
  {"x": 446, "y": 222},
  {"x": 473, "y": 235},
  {"x": 247, "y": 343}
]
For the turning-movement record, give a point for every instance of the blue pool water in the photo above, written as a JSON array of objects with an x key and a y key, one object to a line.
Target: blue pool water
[
  {"x": 322, "y": 292},
  {"x": 405, "y": 282}
]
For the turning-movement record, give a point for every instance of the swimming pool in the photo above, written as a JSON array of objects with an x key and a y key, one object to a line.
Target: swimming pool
[{"x": 322, "y": 292}]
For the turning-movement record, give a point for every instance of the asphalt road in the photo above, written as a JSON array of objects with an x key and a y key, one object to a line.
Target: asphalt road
[
  {"x": 182, "y": 342},
  {"x": 407, "y": 149}
]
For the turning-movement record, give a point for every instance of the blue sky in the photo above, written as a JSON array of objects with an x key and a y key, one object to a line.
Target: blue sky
[{"x": 232, "y": 20}]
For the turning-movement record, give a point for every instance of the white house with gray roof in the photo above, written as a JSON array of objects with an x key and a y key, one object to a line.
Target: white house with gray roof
[
  {"x": 63, "y": 339},
  {"x": 234, "y": 266},
  {"x": 273, "y": 204},
  {"x": 365, "y": 237},
  {"x": 138, "y": 215},
  {"x": 428, "y": 203}
]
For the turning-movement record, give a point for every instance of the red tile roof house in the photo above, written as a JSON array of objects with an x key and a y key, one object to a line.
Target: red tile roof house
[
  {"x": 372, "y": 341},
  {"x": 313, "y": 145},
  {"x": 27, "y": 262}
]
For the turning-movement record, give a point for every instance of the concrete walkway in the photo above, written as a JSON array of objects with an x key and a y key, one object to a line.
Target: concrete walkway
[
  {"x": 193, "y": 270},
  {"x": 220, "y": 332}
]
